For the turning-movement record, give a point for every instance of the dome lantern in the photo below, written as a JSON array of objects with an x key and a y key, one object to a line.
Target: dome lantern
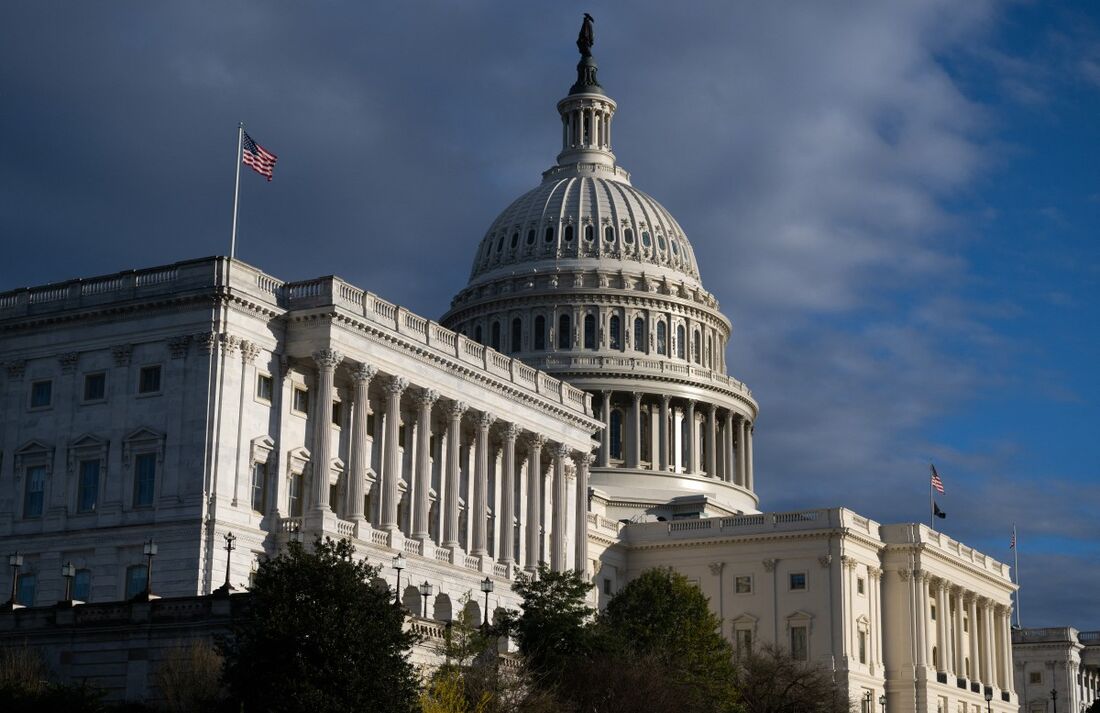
[{"x": 586, "y": 112}]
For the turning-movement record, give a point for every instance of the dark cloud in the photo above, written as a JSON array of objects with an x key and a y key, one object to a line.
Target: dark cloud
[{"x": 813, "y": 152}]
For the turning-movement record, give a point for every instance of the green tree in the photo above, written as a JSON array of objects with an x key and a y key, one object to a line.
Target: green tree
[
  {"x": 664, "y": 620},
  {"x": 770, "y": 681},
  {"x": 319, "y": 636},
  {"x": 552, "y": 628}
]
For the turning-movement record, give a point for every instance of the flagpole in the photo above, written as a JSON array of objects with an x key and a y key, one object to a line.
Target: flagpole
[
  {"x": 931, "y": 502},
  {"x": 1016, "y": 571},
  {"x": 236, "y": 191}
]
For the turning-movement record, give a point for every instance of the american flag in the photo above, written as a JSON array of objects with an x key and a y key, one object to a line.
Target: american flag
[
  {"x": 260, "y": 159},
  {"x": 936, "y": 482}
]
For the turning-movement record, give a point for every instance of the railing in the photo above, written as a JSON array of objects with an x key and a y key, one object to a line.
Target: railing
[
  {"x": 645, "y": 365},
  {"x": 500, "y": 570},
  {"x": 301, "y": 290},
  {"x": 472, "y": 562},
  {"x": 1056, "y": 633},
  {"x": 380, "y": 537},
  {"x": 1089, "y": 637},
  {"x": 344, "y": 528},
  {"x": 49, "y": 294},
  {"x": 156, "y": 277},
  {"x": 443, "y": 554},
  {"x": 688, "y": 525},
  {"x": 742, "y": 521},
  {"x": 101, "y": 287},
  {"x": 414, "y": 547},
  {"x": 290, "y": 524}
]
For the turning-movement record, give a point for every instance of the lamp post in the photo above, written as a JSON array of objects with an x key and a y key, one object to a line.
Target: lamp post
[
  {"x": 150, "y": 551},
  {"x": 15, "y": 561},
  {"x": 398, "y": 564},
  {"x": 425, "y": 592},
  {"x": 882, "y": 702},
  {"x": 486, "y": 586},
  {"x": 989, "y": 700},
  {"x": 68, "y": 571},
  {"x": 229, "y": 538},
  {"x": 1054, "y": 699}
]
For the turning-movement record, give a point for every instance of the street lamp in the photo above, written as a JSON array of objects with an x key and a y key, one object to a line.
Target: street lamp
[
  {"x": 867, "y": 701},
  {"x": 150, "y": 551},
  {"x": 229, "y": 538},
  {"x": 68, "y": 571},
  {"x": 15, "y": 561},
  {"x": 486, "y": 586},
  {"x": 989, "y": 699},
  {"x": 1054, "y": 699},
  {"x": 398, "y": 564},
  {"x": 425, "y": 592},
  {"x": 882, "y": 702}
]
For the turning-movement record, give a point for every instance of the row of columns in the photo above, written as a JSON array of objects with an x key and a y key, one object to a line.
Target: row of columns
[
  {"x": 727, "y": 439},
  {"x": 395, "y": 387},
  {"x": 599, "y": 128},
  {"x": 987, "y": 642}
]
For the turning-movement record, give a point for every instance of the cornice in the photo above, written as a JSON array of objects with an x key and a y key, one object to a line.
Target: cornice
[
  {"x": 922, "y": 548},
  {"x": 773, "y": 536}
]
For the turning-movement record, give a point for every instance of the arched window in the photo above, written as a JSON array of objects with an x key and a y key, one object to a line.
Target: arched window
[
  {"x": 616, "y": 332},
  {"x": 609, "y": 234},
  {"x": 589, "y": 331},
  {"x": 517, "y": 335},
  {"x": 565, "y": 332},
  {"x": 500, "y": 243},
  {"x": 681, "y": 341},
  {"x": 477, "y": 334},
  {"x": 616, "y": 436},
  {"x": 646, "y": 241},
  {"x": 662, "y": 339},
  {"x": 569, "y": 233},
  {"x": 549, "y": 234},
  {"x": 661, "y": 242},
  {"x": 515, "y": 239},
  {"x": 531, "y": 236},
  {"x": 639, "y": 335},
  {"x": 628, "y": 236},
  {"x": 494, "y": 338},
  {"x": 589, "y": 233},
  {"x": 540, "y": 332},
  {"x": 698, "y": 347}
]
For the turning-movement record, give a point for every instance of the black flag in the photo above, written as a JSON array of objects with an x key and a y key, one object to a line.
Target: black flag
[{"x": 939, "y": 513}]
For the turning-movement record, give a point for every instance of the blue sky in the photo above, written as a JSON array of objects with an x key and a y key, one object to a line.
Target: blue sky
[{"x": 896, "y": 204}]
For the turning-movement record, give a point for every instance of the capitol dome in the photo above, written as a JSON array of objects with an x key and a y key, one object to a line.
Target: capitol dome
[{"x": 594, "y": 281}]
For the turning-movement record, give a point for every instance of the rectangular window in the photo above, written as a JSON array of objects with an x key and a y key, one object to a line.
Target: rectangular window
[
  {"x": 259, "y": 486},
  {"x": 933, "y": 611},
  {"x": 35, "y": 491},
  {"x": 799, "y": 649},
  {"x": 135, "y": 580},
  {"x": 88, "y": 487},
  {"x": 860, "y": 585},
  {"x": 24, "y": 593},
  {"x": 145, "y": 478},
  {"x": 265, "y": 387},
  {"x": 401, "y": 436},
  {"x": 149, "y": 379},
  {"x": 95, "y": 387},
  {"x": 301, "y": 400},
  {"x": 295, "y": 495},
  {"x": 744, "y": 641},
  {"x": 742, "y": 584},
  {"x": 370, "y": 425},
  {"x": 863, "y": 647},
  {"x": 333, "y": 494},
  {"x": 41, "y": 394},
  {"x": 798, "y": 581},
  {"x": 606, "y": 586},
  {"x": 337, "y": 413},
  {"x": 82, "y": 585},
  {"x": 1035, "y": 677}
]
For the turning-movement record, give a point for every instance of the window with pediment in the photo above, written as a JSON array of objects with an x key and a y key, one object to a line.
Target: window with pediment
[{"x": 87, "y": 465}]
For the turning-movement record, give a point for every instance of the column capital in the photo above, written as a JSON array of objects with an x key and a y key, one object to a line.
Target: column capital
[
  {"x": 427, "y": 397},
  {"x": 396, "y": 385},
  {"x": 363, "y": 372},
  {"x": 665, "y": 398},
  {"x": 485, "y": 419},
  {"x": 582, "y": 458},
  {"x": 905, "y": 574},
  {"x": 969, "y": 598},
  {"x": 455, "y": 410},
  {"x": 510, "y": 431},
  {"x": 327, "y": 358},
  {"x": 769, "y": 565},
  {"x": 561, "y": 450},
  {"x": 874, "y": 572},
  {"x": 637, "y": 396},
  {"x": 691, "y": 403},
  {"x": 536, "y": 441},
  {"x": 716, "y": 568},
  {"x": 826, "y": 560},
  {"x": 713, "y": 410}
]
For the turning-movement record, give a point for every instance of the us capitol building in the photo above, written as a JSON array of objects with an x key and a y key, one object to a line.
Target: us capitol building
[{"x": 572, "y": 407}]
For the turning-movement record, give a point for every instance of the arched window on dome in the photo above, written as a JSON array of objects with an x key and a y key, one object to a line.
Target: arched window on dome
[
  {"x": 477, "y": 334},
  {"x": 681, "y": 341},
  {"x": 661, "y": 242},
  {"x": 616, "y": 435},
  {"x": 662, "y": 338},
  {"x": 517, "y": 335},
  {"x": 589, "y": 233},
  {"x": 615, "y": 332},
  {"x": 640, "y": 344},
  {"x": 646, "y": 240},
  {"x": 697, "y": 347},
  {"x": 549, "y": 234},
  {"x": 500, "y": 243},
  {"x": 565, "y": 332},
  {"x": 531, "y": 236},
  {"x": 589, "y": 331},
  {"x": 540, "y": 333},
  {"x": 515, "y": 239},
  {"x": 628, "y": 236},
  {"x": 569, "y": 233},
  {"x": 609, "y": 233},
  {"x": 494, "y": 336}
]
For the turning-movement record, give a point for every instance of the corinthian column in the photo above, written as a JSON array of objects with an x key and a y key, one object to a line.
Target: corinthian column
[
  {"x": 534, "y": 497},
  {"x": 728, "y": 469},
  {"x": 972, "y": 616},
  {"x": 326, "y": 360},
  {"x": 693, "y": 455},
  {"x": 424, "y": 401},
  {"x": 712, "y": 441},
  {"x": 357, "y": 458},
  {"x": 454, "y": 436},
  {"x": 391, "y": 469},
  {"x": 582, "y": 461},
  {"x": 507, "y": 549},
  {"x": 636, "y": 437},
  {"x": 561, "y": 499},
  {"x": 742, "y": 476},
  {"x": 664, "y": 447},
  {"x": 605, "y": 435},
  {"x": 480, "y": 511},
  {"x": 749, "y": 468}
]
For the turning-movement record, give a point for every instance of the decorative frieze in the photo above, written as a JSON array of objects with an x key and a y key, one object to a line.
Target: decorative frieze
[
  {"x": 177, "y": 346},
  {"x": 121, "y": 354},
  {"x": 15, "y": 368},
  {"x": 67, "y": 362}
]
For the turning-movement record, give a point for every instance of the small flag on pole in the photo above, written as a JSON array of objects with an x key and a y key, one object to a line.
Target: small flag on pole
[
  {"x": 260, "y": 159},
  {"x": 936, "y": 482},
  {"x": 1012, "y": 546},
  {"x": 937, "y": 512}
]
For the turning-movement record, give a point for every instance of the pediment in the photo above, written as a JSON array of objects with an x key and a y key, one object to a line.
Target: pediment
[
  {"x": 144, "y": 434},
  {"x": 33, "y": 447},
  {"x": 88, "y": 441}
]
